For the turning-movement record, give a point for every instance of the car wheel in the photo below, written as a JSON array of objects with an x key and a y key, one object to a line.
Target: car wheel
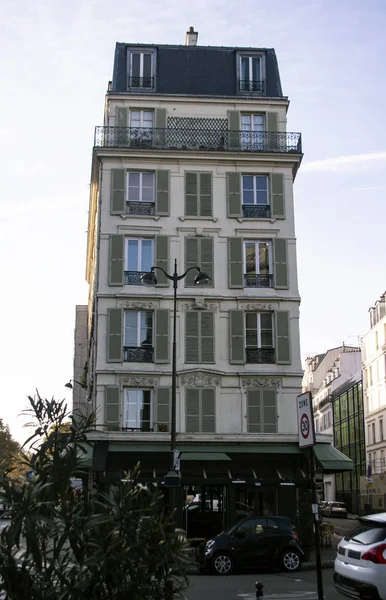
[
  {"x": 222, "y": 564},
  {"x": 290, "y": 561}
]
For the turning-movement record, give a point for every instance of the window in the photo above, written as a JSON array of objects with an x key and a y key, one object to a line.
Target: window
[
  {"x": 200, "y": 410},
  {"x": 198, "y": 194},
  {"x": 381, "y": 430},
  {"x": 199, "y": 253},
  {"x": 199, "y": 336},
  {"x": 376, "y": 341},
  {"x": 255, "y": 196},
  {"x": 252, "y": 132},
  {"x": 138, "y": 336},
  {"x": 138, "y": 410},
  {"x": 141, "y": 128},
  {"x": 141, "y": 70},
  {"x": 259, "y": 338},
  {"x": 382, "y": 460},
  {"x": 370, "y": 375},
  {"x": 373, "y": 438},
  {"x": 139, "y": 259},
  {"x": 258, "y": 264},
  {"x": 140, "y": 193},
  {"x": 261, "y": 411},
  {"x": 250, "y": 74}
]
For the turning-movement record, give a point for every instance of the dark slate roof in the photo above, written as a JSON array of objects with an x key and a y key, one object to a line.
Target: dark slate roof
[{"x": 196, "y": 70}]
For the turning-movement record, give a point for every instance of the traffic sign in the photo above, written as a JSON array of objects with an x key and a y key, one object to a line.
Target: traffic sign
[{"x": 305, "y": 420}]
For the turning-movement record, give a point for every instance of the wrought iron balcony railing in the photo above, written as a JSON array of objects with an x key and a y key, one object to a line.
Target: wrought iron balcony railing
[
  {"x": 143, "y": 427},
  {"x": 256, "y": 211},
  {"x": 197, "y": 139},
  {"x": 245, "y": 85},
  {"x": 141, "y": 82},
  {"x": 259, "y": 356},
  {"x": 258, "y": 281},
  {"x": 133, "y": 277},
  {"x": 140, "y": 208},
  {"x": 138, "y": 354}
]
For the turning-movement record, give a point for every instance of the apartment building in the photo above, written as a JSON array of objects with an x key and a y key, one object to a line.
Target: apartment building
[{"x": 194, "y": 167}]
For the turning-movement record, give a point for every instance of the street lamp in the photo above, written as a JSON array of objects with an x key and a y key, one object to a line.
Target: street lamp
[
  {"x": 149, "y": 279},
  {"x": 71, "y": 387}
]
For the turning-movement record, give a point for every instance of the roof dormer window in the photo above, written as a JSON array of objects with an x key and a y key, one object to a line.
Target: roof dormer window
[
  {"x": 141, "y": 67},
  {"x": 251, "y": 73}
]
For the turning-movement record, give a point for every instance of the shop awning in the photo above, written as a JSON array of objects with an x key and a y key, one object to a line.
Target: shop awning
[
  {"x": 332, "y": 460},
  {"x": 204, "y": 456}
]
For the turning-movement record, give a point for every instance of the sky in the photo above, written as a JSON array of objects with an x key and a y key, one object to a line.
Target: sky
[{"x": 57, "y": 59}]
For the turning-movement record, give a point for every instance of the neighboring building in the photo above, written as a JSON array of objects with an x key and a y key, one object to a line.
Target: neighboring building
[
  {"x": 194, "y": 163},
  {"x": 374, "y": 378},
  {"x": 79, "y": 394}
]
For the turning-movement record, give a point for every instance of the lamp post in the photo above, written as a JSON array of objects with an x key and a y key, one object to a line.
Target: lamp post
[{"x": 172, "y": 478}]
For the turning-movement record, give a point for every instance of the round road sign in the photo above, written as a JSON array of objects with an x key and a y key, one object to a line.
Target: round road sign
[{"x": 304, "y": 426}]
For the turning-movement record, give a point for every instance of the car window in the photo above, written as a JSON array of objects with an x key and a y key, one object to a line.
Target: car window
[
  {"x": 253, "y": 526},
  {"x": 272, "y": 524},
  {"x": 367, "y": 533}
]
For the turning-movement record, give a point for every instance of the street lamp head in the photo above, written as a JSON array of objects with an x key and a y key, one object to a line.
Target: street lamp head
[
  {"x": 69, "y": 385},
  {"x": 149, "y": 279},
  {"x": 201, "y": 278}
]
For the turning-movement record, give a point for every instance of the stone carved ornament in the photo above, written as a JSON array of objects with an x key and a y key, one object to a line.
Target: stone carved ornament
[
  {"x": 139, "y": 381},
  {"x": 135, "y": 304},
  {"x": 200, "y": 380},
  {"x": 253, "y": 382},
  {"x": 199, "y": 305},
  {"x": 255, "y": 306}
]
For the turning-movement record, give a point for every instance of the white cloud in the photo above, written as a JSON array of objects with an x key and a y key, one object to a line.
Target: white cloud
[{"x": 345, "y": 164}]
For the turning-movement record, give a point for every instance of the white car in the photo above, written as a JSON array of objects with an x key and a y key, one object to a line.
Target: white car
[{"x": 360, "y": 564}]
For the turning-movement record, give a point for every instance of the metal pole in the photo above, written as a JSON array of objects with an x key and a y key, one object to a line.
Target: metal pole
[
  {"x": 174, "y": 369},
  {"x": 316, "y": 524}
]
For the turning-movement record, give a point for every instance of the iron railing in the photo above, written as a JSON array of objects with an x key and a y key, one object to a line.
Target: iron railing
[
  {"x": 245, "y": 85},
  {"x": 140, "y": 208},
  {"x": 258, "y": 281},
  {"x": 138, "y": 354},
  {"x": 256, "y": 211},
  {"x": 197, "y": 139},
  {"x": 141, "y": 82},
  {"x": 142, "y": 428},
  {"x": 133, "y": 277},
  {"x": 258, "y": 356}
]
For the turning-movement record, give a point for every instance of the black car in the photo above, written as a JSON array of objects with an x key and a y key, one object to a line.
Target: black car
[{"x": 253, "y": 542}]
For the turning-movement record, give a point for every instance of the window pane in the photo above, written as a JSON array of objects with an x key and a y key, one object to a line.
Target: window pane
[
  {"x": 261, "y": 183},
  {"x": 258, "y": 122},
  {"x": 147, "y": 119},
  {"x": 247, "y": 182},
  {"x": 132, "y": 255},
  {"x": 244, "y": 68},
  {"x": 261, "y": 197},
  {"x": 251, "y": 338},
  {"x": 131, "y": 408},
  {"x": 148, "y": 187},
  {"x": 146, "y": 331},
  {"x": 135, "y": 118},
  {"x": 246, "y": 122},
  {"x": 135, "y": 64},
  {"x": 145, "y": 410},
  {"x": 263, "y": 258},
  {"x": 250, "y": 258},
  {"x": 146, "y": 255},
  {"x": 256, "y": 69},
  {"x": 248, "y": 197},
  {"x": 133, "y": 187},
  {"x": 146, "y": 65},
  {"x": 251, "y": 320},
  {"x": 130, "y": 328}
]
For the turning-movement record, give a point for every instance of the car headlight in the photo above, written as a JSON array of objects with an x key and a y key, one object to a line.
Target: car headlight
[{"x": 209, "y": 544}]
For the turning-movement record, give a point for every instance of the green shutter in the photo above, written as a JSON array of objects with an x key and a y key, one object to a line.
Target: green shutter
[
  {"x": 234, "y": 194},
  {"x": 254, "y": 411},
  {"x": 192, "y": 258},
  {"x": 283, "y": 356},
  {"x": 162, "y": 194},
  {"x": 114, "y": 334},
  {"x": 162, "y": 417},
  {"x": 272, "y": 122},
  {"x": 121, "y": 117},
  {"x": 206, "y": 340},
  {"x": 208, "y": 412},
  {"x": 192, "y": 410},
  {"x": 277, "y": 195},
  {"x": 233, "y": 129},
  {"x": 280, "y": 275},
  {"x": 162, "y": 258},
  {"x": 235, "y": 257},
  {"x": 161, "y": 344},
  {"x": 206, "y": 260},
  {"x": 191, "y": 194},
  {"x": 117, "y": 204},
  {"x": 236, "y": 337},
  {"x": 269, "y": 411},
  {"x": 205, "y": 209},
  {"x": 121, "y": 137},
  {"x": 160, "y": 118},
  {"x": 192, "y": 337},
  {"x": 112, "y": 407},
  {"x": 116, "y": 259}
]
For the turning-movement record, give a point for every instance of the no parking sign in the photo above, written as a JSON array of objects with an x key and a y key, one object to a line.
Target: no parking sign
[{"x": 305, "y": 420}]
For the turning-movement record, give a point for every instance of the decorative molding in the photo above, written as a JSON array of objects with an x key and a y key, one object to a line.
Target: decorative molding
[
  {"x": 255, "y": 306},
  {"x": 199, "y": 379},
  {"x": 254, "y": 382},
  {"x": 137, "y": 304},
  {"x": 138, "y": 381},
  {"x": 199, "y": 304}
]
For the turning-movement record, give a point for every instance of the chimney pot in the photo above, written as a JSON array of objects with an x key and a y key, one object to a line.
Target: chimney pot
[{"x": 191, "y": 37}]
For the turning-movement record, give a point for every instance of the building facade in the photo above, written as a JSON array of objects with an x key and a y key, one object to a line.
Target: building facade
[{"x": 194, "y": 166}]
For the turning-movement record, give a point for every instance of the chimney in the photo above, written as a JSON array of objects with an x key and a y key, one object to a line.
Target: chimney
[{"x": 191, "y": 37}]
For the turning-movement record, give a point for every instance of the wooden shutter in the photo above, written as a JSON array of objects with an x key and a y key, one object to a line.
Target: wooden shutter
[
  {"x": 116, "y": 259},
  {"x": 112, "y": 407},
  {"x": 161, "y": 338},
  {"x": 205, "y": 208},
  {"x": 233, "y": 129},
  {"x": 191, "y": 194},
  {"x": 254, "y": 411},
  {"x": 121, "y": 117},
  {"x": 283, "y": 355},
  {"x": 160, "y": 118},
  {"x": 234, "y": 194},
  {"x": 121, "y": 138},
  {"x": 268, "y": 402},
  {"x": 192, "y": 410},
  {"x": 162, "y": 193},
  {"x": 272, "y": 122},
  {"x": 206, "y": 260},
  {"x": 236, "y": 337},
  {"x": 192, "y": 258},
  {"x": 114, "y": 334},
  {"x": 118, "y": 200},
  {"x": 277, "y": 196},
  {"x": 235, "y": 252},
  {"x": 206, "y": 339},
  {"x": 280, "y": 274},
  {"x": 208, "y": 412},
  {"x": 192, "y": 337},
  {"x": 162, "y": 259},
  {"x": 162, "y": 409}
]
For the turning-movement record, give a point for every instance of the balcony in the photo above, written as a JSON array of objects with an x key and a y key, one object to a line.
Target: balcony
[
  {"x": 211, "y": 140},
  {"x": 252, "y": 280},
  {"x": 133, "y": 277},
  {"x": 255, "y": 211},
  {"x": 140, "y": 209},
  {"x": 260, "y": 356},
  {"x": 245, "y": 85},
  {"x": 138, "y": 354},
  {"x": 141, "y": 82}
]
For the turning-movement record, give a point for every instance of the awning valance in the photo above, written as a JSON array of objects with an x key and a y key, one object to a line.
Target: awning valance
[
  {"x": 332, "y": 460},
  {"x": 204, "y": 456}
]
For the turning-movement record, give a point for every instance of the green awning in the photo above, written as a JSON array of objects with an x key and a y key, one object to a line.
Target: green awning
[
  {"x": 332, "y": 460},
  {"x": 204, "y": 456},
  {"x": 248, "y": 448}
]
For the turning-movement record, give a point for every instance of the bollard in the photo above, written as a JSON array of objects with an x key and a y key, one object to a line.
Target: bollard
[{"x": 259, "y": 590}]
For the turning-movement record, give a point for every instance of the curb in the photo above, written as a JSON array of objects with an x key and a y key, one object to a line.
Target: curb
[{"x": 306, "y": 566}]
